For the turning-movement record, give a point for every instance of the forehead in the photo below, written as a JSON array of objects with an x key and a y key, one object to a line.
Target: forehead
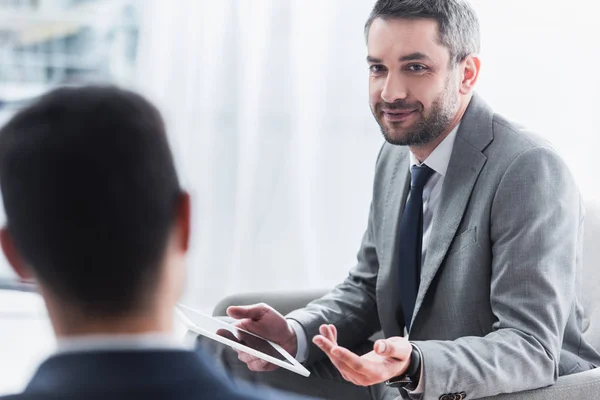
[{"x": 397, "y": 37}]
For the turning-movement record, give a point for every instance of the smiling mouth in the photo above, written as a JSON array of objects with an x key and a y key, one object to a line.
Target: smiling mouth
[{"x": 397, "y": 115}]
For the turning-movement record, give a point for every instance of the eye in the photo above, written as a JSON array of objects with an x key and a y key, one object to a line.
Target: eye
[
  {"x": 377, "y": 68},
  {"x": 417, "y": 68}
]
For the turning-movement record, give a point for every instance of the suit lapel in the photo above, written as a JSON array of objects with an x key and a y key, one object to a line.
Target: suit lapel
[
  {"x": 466, "y": 163},
  {"x": 395, "y": 200}
]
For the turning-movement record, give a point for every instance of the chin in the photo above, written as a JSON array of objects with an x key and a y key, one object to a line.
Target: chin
[
  {"x": 397, "y": 132},
  {"x": 395, "y": 138}
]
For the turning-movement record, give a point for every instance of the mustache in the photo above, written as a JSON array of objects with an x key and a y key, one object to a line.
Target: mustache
[{"x": 398, "y": 105}]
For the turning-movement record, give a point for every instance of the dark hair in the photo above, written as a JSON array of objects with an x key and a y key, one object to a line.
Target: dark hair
[
  {"x": 458, "y": 23},
  {"x": 90, "y": 193}
]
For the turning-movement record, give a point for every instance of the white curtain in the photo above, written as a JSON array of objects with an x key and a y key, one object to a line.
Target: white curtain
[{"x": 266, "y": 103}]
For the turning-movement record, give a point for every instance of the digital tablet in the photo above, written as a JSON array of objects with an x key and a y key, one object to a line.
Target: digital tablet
[{"x": 239, "y": 339}]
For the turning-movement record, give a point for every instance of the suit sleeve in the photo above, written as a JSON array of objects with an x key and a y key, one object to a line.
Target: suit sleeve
[{"x": 536, "y": 224}]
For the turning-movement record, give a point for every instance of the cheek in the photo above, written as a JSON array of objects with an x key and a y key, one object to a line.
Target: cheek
[
  {"x": 426, "y": 92},
  {"x": 375, "y": 89}
]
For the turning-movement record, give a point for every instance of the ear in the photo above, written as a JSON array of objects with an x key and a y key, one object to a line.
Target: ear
[
  {"x": 183, "y": 221},
  {"x": 471, "y": 67},
  {"x": 13, "y": 256}
]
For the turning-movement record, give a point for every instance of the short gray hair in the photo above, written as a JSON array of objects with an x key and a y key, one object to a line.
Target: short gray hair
[{"x": 458, "y": 23}]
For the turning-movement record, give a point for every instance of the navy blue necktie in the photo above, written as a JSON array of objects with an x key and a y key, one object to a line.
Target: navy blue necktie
[{"x": 410, "y": 242}]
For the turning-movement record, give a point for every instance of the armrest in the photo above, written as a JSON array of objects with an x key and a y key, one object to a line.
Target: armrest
[
  {"x": 284, "y": 302},
  {"x": 584, "y": 385}
]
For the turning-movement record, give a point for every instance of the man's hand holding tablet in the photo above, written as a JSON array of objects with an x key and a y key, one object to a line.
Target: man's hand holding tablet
[
  {"x": 267, "y": 323},
  {"x": 260, "y": 335}
]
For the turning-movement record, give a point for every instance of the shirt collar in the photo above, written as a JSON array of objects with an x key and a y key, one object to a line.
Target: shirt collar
[
  {"x": 122, "y": 342},
  {"x": 439, "y": 158}
]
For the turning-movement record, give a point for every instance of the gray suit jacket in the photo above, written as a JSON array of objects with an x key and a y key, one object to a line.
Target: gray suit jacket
[{"x": 497, "y": 310}]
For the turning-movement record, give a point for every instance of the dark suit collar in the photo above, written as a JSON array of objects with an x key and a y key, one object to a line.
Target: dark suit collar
[{"x": 114, "y": 370}]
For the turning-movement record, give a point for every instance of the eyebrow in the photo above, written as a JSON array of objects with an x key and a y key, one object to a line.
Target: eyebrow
[
  {"x": 416, "y": 56},
  {"x": 373, "y": 60}
]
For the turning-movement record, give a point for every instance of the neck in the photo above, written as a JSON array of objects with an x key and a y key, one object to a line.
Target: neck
[
  {"x": 125, "y": 325},
  {"x": 423, "y": 151},
  {"x": 68, "y": 321}
]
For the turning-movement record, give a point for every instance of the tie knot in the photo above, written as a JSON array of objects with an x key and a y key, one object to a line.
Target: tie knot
[{"x": 420, "y": 175}]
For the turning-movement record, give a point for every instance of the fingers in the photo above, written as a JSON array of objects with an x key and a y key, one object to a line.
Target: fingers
[
  {"x": 348, "y": 358},
  {"x": 329, "y": 332},
  {"x": 328, "y": 343},
  {"x": 245, "y": 357},
  {"x": 261, "y": 366},
  {"x": 396, "y": 347},
  {"x": 334, "y": 332},
  {"x": 254, "y": 363},
  {"x": 323, "y": 342},
  {"x": 227, "y": 334},
  {"x": 254, "y": 312},
  {"x": 340, "y": 357},
  {"x": 389, "y": 358},
  {"x": 336, "y": 353}
]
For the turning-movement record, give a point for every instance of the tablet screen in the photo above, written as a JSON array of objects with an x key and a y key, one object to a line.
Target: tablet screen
[{"x": 222, "y": 328}]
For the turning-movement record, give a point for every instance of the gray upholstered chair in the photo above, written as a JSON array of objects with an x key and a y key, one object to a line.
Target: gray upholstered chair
[{"x": 582, "y": 386}]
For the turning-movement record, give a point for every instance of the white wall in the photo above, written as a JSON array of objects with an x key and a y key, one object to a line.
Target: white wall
[
  {"x": 267, "y": 106},
  {"x": 541, "y": 67}
]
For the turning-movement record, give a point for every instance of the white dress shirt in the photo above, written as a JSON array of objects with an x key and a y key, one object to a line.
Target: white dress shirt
[
  {"x": 438, "y": 161},
  {"x": 140, "y": 342}
]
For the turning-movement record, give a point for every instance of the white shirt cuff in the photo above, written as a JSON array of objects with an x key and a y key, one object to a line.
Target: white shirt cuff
[
  {"x": 302, "y": 351},
  {"x": 420, "y": 386}
]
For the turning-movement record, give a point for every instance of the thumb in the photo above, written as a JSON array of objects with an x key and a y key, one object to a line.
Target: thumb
[
  {"x": 254, "y": 312},
  {"x": 399, "y": 348}
]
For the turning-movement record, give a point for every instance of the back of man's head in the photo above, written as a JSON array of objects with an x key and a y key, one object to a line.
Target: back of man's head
[{"x": 90, "y": 193}]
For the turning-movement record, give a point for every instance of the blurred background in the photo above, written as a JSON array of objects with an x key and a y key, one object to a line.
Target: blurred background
[{"x": 267, "y": 111}]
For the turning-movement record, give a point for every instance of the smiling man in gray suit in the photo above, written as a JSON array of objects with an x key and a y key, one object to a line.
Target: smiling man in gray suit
[{"x": 470, "y": 263}]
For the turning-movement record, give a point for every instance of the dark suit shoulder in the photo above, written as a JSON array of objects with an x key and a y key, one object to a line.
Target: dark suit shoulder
[
  {"x": 181, "y": 391},
  {"x": 159, "y": 375}
]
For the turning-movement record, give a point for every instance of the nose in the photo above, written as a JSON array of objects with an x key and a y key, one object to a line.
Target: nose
[{"x": 394, "y": 89}]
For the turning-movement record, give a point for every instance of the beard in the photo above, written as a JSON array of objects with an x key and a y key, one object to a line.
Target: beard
[{"x": 427, "y": 128}]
